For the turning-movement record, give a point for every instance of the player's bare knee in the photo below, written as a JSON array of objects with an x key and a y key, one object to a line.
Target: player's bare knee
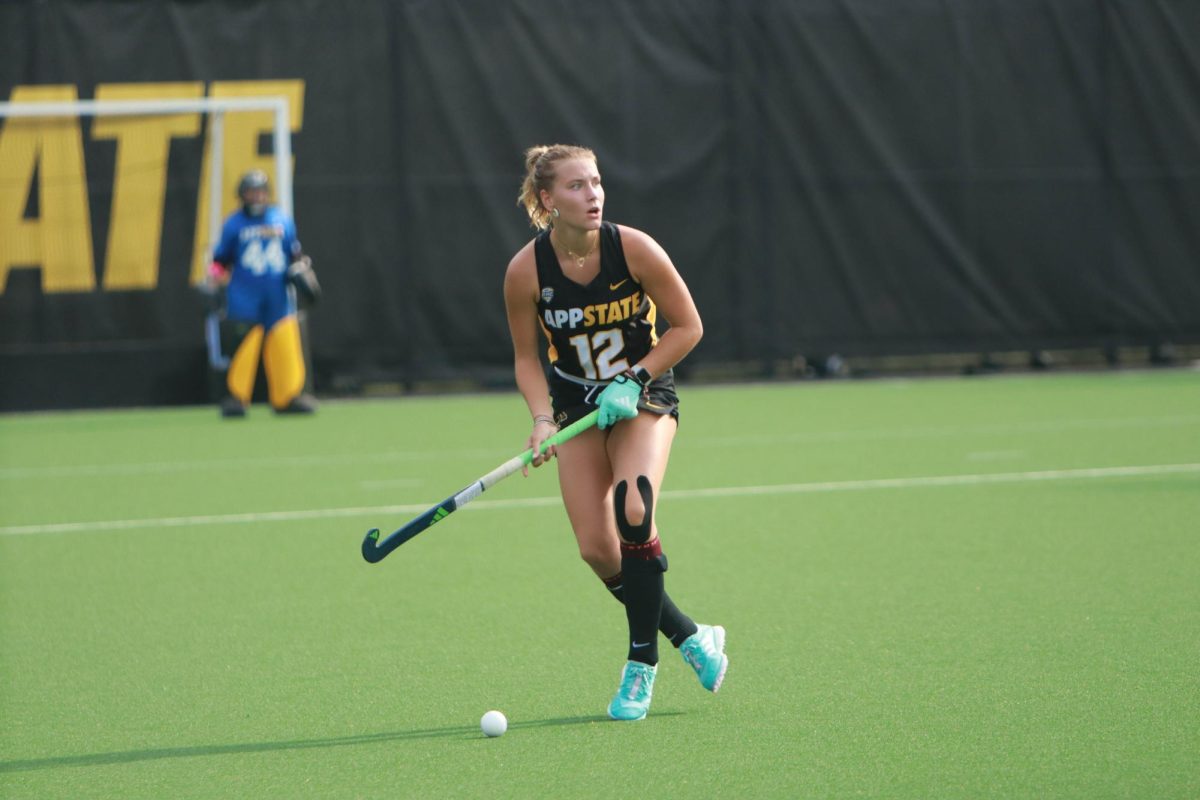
[
  {"x": 603, "y": 560},
  {"x": 634, "y": 511},
  {"x": 627, "y": 508}
]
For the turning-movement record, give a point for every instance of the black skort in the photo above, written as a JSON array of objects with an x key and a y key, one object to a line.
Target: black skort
[{"x": 573, "y": 401}]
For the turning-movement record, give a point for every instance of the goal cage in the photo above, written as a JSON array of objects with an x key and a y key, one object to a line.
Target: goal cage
[{"x": 38, "y": 116}]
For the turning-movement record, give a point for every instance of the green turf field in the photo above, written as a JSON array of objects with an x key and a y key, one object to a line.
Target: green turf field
[{"x": 961, "y": 588}]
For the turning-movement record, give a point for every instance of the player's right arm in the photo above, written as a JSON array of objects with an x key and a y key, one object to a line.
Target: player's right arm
[
  {"x": 520, "y": 302},
  {"x": 226, "y": 250},
  {"x": 221, "y": 263}
]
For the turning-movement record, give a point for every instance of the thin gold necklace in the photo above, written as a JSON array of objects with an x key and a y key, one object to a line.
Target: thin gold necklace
[{"x": 579, "y": 260}]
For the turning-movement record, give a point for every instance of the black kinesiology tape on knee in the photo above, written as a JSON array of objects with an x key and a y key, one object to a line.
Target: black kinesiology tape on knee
[
  {"x": 635, "y": 534},
  {"x": 638, "y": 552}
]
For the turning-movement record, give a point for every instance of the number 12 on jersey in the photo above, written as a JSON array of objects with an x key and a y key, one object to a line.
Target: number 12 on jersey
[{"x": 599, "y": 354}]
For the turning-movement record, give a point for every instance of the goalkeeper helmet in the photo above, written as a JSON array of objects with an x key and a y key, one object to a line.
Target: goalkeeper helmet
[{"x": 252, "y": 181}]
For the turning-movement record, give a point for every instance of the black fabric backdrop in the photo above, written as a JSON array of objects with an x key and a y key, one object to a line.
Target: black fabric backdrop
[{"x": 858, "y": 176}]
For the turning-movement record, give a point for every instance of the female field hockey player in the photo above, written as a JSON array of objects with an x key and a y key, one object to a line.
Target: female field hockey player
[{"x": 594, "y": 289}]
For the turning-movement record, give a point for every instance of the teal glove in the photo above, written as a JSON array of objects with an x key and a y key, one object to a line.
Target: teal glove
[{"x": 618, "y": 401}]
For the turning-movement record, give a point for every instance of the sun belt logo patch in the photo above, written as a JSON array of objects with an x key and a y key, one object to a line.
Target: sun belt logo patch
[{"x": 547, "y": 294}]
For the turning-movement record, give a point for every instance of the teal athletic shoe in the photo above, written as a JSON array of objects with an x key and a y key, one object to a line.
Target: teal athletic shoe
[
  {"x": 633, "y": 696},
  {"x": 704, "y": 651}
]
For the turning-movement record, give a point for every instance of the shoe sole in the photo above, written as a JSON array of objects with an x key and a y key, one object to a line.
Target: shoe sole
[
  {"x": 719, "y": 634},
  {"x": 626, "y": 719}
]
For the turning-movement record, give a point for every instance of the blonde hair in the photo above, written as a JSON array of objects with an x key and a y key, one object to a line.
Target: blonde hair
[{"x": 539, "y": 175}]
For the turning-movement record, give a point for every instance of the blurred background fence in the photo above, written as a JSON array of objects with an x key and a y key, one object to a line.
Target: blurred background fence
[{"x": 876, "y": 179}]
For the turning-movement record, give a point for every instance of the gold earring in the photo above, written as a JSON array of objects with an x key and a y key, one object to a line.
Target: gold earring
[{"x": 554, "y": 212}]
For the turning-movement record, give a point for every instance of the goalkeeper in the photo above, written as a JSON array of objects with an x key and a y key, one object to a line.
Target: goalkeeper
[{"x": 261, "y": 265}]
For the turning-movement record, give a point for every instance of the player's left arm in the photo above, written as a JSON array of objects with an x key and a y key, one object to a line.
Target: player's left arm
[
  {"x": 300, "y": 266},
  {"x": 650, "y": 266}
]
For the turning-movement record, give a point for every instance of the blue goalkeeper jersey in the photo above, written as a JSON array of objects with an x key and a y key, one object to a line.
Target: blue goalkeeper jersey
[
  {"x": 258, "y": 247},
  {"x": 258, "y": 250}
]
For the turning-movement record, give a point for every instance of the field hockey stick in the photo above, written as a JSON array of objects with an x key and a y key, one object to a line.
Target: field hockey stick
[{"x": 374, "y": 550}]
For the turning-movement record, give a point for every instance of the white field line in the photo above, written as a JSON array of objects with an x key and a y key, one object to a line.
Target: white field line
[
  {"x": 397, "y": 483},
  {"x": 677, "y": 494},
  {"x": 692, "y": 441},
  {"x": 231, "y": 464}
]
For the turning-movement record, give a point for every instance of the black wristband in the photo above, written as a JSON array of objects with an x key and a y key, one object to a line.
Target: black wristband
[{"x": 641, "y": 375}]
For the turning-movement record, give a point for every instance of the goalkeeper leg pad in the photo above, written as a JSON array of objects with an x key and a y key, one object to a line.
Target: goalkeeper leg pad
[
  {"x": 283, "y": 358},
  {"x": 242, "y": 341}
]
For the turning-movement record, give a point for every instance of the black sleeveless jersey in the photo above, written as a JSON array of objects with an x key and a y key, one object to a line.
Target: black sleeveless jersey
[{"x": 597, "y": 331}]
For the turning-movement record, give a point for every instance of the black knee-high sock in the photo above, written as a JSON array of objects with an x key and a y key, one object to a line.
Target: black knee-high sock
[
  {"x": 642, "y": 566},
  {"x": 673, "y": 623}
]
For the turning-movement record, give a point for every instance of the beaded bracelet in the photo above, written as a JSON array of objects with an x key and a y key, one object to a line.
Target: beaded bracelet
[{"x": 543, "y": 418}]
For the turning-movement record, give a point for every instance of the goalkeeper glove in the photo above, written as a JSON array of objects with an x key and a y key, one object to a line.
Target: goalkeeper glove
[{"x": 304, "y": 278}]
